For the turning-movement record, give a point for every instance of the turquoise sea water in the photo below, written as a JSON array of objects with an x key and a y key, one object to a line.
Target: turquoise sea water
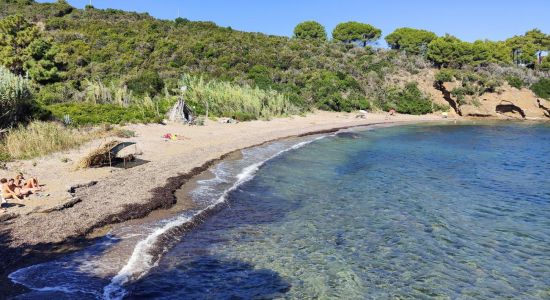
[
  {"x": 403, "y": 212},
  {"x": 411, "y": 212}
]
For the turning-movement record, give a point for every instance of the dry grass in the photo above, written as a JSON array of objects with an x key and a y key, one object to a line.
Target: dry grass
[
  {"x": 41, "y": 138},
  {"x": 98, "y": 156}
]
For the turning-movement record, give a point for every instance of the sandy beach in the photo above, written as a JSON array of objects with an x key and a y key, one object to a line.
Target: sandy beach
[{"x": 123, "y": 194}]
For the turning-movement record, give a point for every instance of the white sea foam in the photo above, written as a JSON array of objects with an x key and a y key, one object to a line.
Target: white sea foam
[
  {"x": 85, "y": 263},
  {"x": 142, "y": 260}
]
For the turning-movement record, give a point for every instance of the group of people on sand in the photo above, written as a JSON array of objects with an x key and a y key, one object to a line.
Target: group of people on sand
[{"x": 18, "y": 188}]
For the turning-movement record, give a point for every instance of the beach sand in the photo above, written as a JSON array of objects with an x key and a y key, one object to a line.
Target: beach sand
[{"x": 123, "y": 194}]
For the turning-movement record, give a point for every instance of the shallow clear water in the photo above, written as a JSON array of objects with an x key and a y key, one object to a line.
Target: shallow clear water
[
  {"x": 406, "y": 212},
  {"x": 458, "y": 212}
]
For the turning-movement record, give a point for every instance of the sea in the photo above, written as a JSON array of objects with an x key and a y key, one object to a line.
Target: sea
[{"x": 419, "y": 211}]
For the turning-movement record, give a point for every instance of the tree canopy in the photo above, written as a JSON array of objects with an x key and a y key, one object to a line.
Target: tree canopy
[
  {"x": 24, "y": 49},
  {"x": 449, "y": 51},
  {"x": 310, "y": 30},
  {"x": 526, "y": 46},
  {"x": 349, "y": 32},
  {"x": 410, "y": 40}
]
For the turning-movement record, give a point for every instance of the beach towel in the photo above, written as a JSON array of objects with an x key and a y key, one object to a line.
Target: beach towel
[{"x": 173, "y": 137}]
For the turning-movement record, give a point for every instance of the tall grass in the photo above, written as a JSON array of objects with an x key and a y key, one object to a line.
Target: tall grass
[
  {"x": 15, "y": 96},
  {"x": 230, "y": 100},
  {"x": 41, "y": 138},
  {"x": 115, "y": 104}
]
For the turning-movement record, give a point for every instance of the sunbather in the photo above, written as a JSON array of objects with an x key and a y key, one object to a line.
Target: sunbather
[
  {"x": 30, "y": 184},
  {"x": 10, "y": 190}
]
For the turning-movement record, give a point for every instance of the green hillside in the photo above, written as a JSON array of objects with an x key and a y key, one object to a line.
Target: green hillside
[{"x": 82, "y": 59}]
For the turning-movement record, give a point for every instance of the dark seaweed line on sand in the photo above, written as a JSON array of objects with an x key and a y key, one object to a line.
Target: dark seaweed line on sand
[{"x": 164, "y": 197}]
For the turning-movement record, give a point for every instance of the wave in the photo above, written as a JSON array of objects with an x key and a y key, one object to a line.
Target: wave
[
  {"x": 71, "y": 283},
  {"x": 148, "y": 251}
]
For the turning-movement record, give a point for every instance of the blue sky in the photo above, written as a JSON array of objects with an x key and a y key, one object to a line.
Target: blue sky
[{"x": 466, "y": 19}]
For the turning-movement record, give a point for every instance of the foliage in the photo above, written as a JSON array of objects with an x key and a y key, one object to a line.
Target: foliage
[
  {"x": 445, "y": 75},
  {"x": 41, "y": 138},
  {"x": 134, "y": 61},
  {"x": 23, "y": 49},
  {"x": 410, "y": 100},
  {"x": 528, "y": 44},
  {"x": 545, "y": 65},
  {"x": 336, "y": 91},
  {"x": 146, "y": 83},
  {"x": 4, "y": 155},
  {"x": 410, "y": 40},
  {"x": 515, "y": 82},
  {"x": 542, "y": 88},
  {"x": 261, "y": 76},
  {"x": 349, "y": 32},
  {"x": 90, "y": 113},
  {"x": 446, "y": 51},
  {"x": 310, "y": 30},
  {"x": 15, "y": 98},
  {"x": 472, "y": 84},
  {"x": 240, "y": 102},
  {"x": 450, "y": 52}
]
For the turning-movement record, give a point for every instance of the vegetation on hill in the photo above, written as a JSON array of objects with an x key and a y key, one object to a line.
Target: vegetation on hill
[
  {"x": 542, "y": 88},
  {"x": 93, "y": 66}
]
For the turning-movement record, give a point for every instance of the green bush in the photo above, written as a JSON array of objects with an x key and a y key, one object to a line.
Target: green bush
[
  {"x": 542, "y": 88},
  {"x": 336, "y": 91},
  {"x": 148, "y": 82},
  {"x": 445, "y": 75},
  {"x": 54, "y": 93},
  {"x": 89, "y": 113},
  {"x": 515, "y": 82},
  {"x": 16, "y": 103},
  {"x": 410, "y": 100},
  {"x": 4, "y": 155},
  {"x": 261, "y": 76}
]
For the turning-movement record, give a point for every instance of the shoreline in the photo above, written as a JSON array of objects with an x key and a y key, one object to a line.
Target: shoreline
[
  {"x": 167, "y": 199},
  {"x": 161, "y": 197}
]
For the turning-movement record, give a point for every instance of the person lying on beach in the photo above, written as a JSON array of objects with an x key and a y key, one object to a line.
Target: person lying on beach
[
  {"x": 9, "y": 189},
  {"x": 31, "y": 184}
]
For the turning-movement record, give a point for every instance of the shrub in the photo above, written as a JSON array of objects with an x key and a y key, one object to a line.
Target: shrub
[
  {"x": 4, "y": 155},
  {"x": 89, "y": 113},
  {"x": 445, "y": 75},
  {"x": 514, "y": 81},
  {"x": 336, "y": 91},
  {"x": 410, "y": 100},
  {"x": 41, "y": 138},
  {"x": 54, "y": 93},
  {"x": 542, "y": 88},
  {"x": 148, "y": 82},
  {"x": 15, "y": 98}
]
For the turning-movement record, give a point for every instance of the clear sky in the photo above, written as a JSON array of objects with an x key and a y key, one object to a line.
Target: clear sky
[{"x": 466, "y": 19}]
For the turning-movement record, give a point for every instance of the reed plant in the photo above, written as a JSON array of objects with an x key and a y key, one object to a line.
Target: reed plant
[
  {"x": 220, "y": 98},
  {"x": 15, "y": 97}
]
